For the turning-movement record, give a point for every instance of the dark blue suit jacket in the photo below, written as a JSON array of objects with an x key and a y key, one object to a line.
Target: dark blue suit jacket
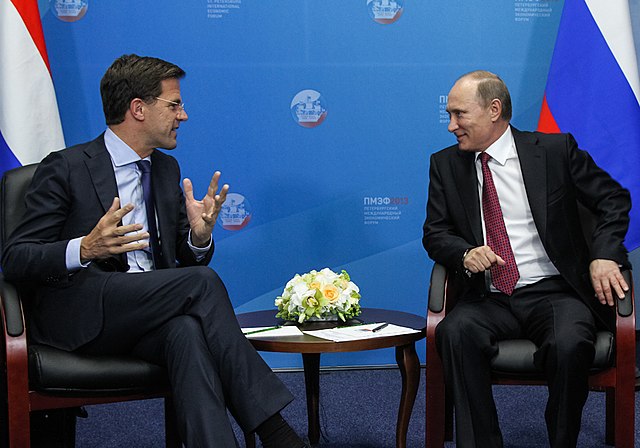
[{"x": 71, "y": 190}]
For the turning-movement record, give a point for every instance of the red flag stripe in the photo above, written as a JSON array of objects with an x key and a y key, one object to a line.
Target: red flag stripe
[
  {"x": 547, "y": 123},
  {"x": 28, "y": 10}
]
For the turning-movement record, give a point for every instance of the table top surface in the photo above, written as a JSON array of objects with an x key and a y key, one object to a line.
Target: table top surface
[{"x": 310, "y": 344}]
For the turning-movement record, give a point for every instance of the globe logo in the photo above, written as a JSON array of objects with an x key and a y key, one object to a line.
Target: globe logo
[
  {"x": 235, "y": 213},
  {"x": 69, "y": 10},
  {"x": 385, "y": 11},
  {"x": 308, "y": 108}
]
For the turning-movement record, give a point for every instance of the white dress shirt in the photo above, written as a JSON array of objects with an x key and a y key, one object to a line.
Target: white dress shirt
[{"x": 531, "y": 257}]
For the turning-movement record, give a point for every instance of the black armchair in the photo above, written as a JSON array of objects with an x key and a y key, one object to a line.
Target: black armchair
[
  {"x": 613, "y": 369},
  {"x": 39, "y": 377}
]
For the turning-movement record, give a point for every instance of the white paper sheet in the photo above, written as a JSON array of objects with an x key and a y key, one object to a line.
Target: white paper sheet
[{"x": 358, "y": 332}]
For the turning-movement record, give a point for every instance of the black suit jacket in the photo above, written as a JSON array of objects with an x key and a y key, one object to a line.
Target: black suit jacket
[
  {"x": 71, "y": 190},
  {"x": 559, "y": 178}
]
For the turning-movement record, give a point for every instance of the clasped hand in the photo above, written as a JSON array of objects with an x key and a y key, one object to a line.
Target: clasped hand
[
  {"x": 109, "y": 238},
  {"x": 481, "y": 258}
]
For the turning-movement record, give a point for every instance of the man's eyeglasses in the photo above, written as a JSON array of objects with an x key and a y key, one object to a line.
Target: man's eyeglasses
[{"x": 175, "y": 106}]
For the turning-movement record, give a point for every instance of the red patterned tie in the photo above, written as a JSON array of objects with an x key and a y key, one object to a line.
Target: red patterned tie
[{"x": 504, "y": 278}]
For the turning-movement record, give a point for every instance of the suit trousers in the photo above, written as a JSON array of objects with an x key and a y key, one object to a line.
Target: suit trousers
[
  {"x": 183, "y": 319},
  {"x": 549, "y": 313}
]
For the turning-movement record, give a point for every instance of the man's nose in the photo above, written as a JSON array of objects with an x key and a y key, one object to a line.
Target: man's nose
[
  {"x": 453, "y": 124},
  {"x": 182, "y": 116}
]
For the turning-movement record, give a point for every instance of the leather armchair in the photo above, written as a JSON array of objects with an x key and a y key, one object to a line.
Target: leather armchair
[
  {"x": 613, "y": 369},
  {"x": 40, "y": 377}
]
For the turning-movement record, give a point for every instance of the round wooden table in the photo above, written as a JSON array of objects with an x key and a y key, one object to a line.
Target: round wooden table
[{"x": 311, "y": 348}]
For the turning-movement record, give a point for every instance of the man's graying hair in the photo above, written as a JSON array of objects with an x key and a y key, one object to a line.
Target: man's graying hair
[
  {"x": 491, "y": 87},
  {"x": 132, "y": 76}
]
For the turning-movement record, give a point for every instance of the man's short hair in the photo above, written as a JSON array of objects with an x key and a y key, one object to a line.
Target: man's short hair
[
  {"x": 132, "y": 76},
  {"x": 491, "y": 87}
]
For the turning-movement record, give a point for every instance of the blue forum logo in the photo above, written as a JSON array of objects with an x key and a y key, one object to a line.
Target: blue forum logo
[
  {"x": 308, "y": 108},
  {"x": 385, "y": 11},
  {"x": 69, "y": 10},
  {"x": 235, "y": 213}
]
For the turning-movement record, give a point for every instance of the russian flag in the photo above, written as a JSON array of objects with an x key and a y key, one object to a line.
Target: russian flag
[
  {"x": 593, "y": 91},
  {"x": 30, "y": 125}
]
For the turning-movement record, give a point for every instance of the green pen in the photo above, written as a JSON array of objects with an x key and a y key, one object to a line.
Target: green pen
[{"x": 263, "y": 329}]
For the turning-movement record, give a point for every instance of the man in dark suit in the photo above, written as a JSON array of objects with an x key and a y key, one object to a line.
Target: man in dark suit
[
  {"x": 119, "y": 264},
  {"x": 503, "y": 214}
]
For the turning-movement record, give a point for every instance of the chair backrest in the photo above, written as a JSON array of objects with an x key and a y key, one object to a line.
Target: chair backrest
[{"x": 12, "y": 193}]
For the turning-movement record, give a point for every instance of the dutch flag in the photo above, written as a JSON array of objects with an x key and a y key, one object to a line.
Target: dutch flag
[
  {"x": 593, "y": 91},
  {"x": 29, "y": 120}
]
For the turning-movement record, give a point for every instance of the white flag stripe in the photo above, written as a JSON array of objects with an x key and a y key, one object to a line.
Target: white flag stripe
[
  {"x": 29, "y": 119},
  {"x": 614, "y": 20}
]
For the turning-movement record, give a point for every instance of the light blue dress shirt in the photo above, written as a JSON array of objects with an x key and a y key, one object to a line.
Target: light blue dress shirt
[{"x": 128, "y": 179}]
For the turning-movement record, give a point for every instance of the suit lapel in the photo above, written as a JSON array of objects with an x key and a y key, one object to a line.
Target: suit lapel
[
  {"x": 101, "y": 171},
  {"x": 467, "y": 183},
  {"x": 533, "y": 165},
  {"x": 98, "y": 163}
]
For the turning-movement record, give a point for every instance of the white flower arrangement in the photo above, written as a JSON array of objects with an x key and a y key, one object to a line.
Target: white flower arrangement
[{"x": 319, "y": 295}]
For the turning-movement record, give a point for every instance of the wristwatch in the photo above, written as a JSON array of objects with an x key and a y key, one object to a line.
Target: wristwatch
[{"x": 467, "y": 272}]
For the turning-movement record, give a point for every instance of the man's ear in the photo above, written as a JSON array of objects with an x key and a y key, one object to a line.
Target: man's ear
[
  {"x": 495, "y": 109},
  {"x": 137, "y": 108}
]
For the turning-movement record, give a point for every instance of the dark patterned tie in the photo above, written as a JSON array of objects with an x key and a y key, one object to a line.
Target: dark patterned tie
[
  {"x": 504, "y": 278},
  {"x": 147, "y": 191}
]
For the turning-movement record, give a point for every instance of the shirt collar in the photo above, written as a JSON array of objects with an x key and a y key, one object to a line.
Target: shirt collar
[
  {"x": 121, "y": 153},
  {"x": 502, "y": 149}
]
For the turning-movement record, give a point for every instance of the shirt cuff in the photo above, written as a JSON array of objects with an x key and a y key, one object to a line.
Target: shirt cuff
[
  {"x": 199, "y": 252},
  {"x": 73, "y": 255}
]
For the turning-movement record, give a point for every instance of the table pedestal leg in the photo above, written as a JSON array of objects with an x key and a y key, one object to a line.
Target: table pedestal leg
[
  {"x": 311, "y": 364},
  {"x": 409, "y": 364}
]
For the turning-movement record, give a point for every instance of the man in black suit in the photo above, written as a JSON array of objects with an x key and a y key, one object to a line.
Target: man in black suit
[
  {"x": 503, "y": 214},
  {"x": 116, "y": 272}
]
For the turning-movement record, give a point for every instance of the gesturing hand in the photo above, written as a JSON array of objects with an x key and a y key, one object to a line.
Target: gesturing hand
[
  {"x": 109, "y": 238},
  {"x": 203, "y": 214}
]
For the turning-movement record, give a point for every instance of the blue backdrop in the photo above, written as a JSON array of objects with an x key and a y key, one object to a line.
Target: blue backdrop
[{"x": 347, "y": 193}]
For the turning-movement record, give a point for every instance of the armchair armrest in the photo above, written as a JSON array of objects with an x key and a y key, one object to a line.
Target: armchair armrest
[
  {"x": 444, "y": 289},
  {"x": 11, "y": 308},
  {"x": 440, "y": 298},
  {"x": 625, "y": 336},
  {"x": 625, "y": 306},
  {"x": 437, "y": 288},
  {"x": 15, "y": 355}
]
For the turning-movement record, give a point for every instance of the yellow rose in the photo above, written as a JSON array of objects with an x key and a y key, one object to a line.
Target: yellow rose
[
  {"x": 314, "y": 285},
  {"x": 330, "y": 292}
]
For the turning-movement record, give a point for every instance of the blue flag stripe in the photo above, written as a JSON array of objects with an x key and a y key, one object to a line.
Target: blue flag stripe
[
  {"x": 590, "y": 97},
  {"x": 7, "y": 158}
]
